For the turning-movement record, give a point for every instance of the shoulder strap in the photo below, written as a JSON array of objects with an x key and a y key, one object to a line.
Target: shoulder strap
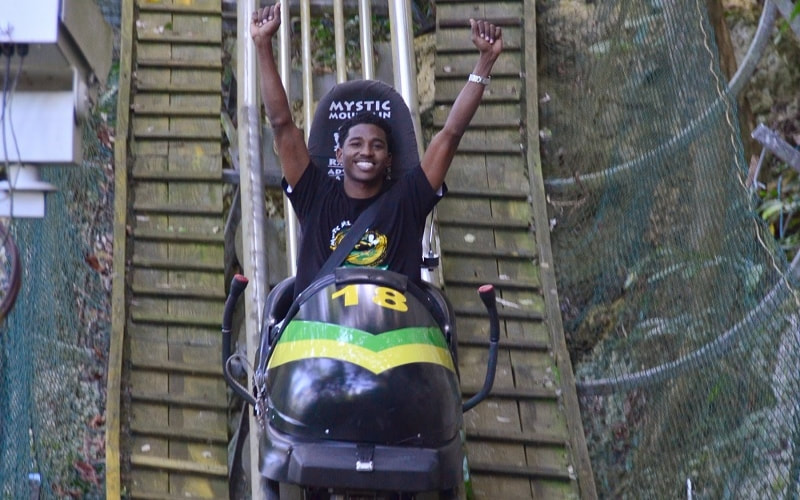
[{"x": 352, "y": 237}]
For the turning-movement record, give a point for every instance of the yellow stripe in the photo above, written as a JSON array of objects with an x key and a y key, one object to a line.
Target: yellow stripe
[{"x": 376, "y": 362}]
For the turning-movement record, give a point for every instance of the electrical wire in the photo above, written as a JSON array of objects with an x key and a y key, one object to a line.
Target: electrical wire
[{"x": 9, "y": 90}]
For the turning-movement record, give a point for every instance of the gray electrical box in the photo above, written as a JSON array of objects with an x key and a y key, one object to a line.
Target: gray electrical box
[{"x": 53, "y": 55}]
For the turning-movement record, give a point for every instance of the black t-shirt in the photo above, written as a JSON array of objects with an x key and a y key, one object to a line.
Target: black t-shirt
[{"x": 393, "y": 241}]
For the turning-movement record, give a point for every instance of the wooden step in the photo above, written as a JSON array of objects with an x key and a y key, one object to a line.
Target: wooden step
[
  {"x": 177, "y": 135},
  {"x": 180, "y": 433},
  {"x": 206, "y": 9},
  {"x": 178, "y": 367},
  {"x": 211, "y": 87},
  {"x": 141, "y": 174},
  {"x": 502, "y": 90},
  {"x": 505, "y": 343},
  {"x": 526, "y": 438},
  {"x": 173, "y": 320},
  {"x": 527, "y": 472},
  {"x": 453, "y": 11},
  {"x": 177, "y": 292},
  {"x": 513, "y": 393},
  {"x": 176, "y": 265},
  {"x": 177, "y": 38},
  {"x": 499, "y": 283},
  {"x": 492, "y": 194},
  {"x": 484, "y": 222},
  {"x": 174, "y": 111},
  {"x": 174, "y": 465},
  {"x": 463, "y": 250},
  {"x": 173, "y": 209},
  {"x": 178, "y": 236},
  {"x": 178, "y": 400},
  {"x": 502, "y": 312},
  {"x": 201, "y": 64},
  {"x": 459, "y": 66}
]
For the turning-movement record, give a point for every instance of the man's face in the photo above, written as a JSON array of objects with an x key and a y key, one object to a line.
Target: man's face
[{"x": 365, "y": 154}]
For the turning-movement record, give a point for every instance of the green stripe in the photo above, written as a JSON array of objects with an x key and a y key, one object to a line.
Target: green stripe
[{"x": 317, "y": 330}]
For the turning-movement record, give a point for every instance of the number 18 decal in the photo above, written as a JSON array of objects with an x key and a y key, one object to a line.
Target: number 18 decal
[{"x": 384, "y": 297}]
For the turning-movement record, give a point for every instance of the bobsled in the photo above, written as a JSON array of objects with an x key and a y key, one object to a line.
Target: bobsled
[{"x": 356, "y": 383}]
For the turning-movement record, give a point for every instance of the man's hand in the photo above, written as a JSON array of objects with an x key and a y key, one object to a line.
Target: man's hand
[
  {"x": 487, "y": 37},
  {"x": 265, "y": 23}
]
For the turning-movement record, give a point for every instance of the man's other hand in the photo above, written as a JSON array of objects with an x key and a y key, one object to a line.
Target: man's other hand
[
  {"x": 487, "y": 37},
  {"x": 265, "y": 23}
]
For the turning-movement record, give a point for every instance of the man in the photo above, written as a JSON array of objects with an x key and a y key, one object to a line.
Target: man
[{"x": 327, "y": 208}]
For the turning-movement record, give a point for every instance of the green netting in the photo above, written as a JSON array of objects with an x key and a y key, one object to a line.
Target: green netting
[
  {"x": 53, "y": 344},
  {"x": 676, "y": 302}
]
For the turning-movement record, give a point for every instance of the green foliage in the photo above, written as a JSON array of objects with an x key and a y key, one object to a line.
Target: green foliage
[{"x": 780, "y": 207}]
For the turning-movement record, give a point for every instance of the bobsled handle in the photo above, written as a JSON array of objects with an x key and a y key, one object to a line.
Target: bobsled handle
[
  {"x": 238, "y": 284},
  {"x": 489, "y": 298}
]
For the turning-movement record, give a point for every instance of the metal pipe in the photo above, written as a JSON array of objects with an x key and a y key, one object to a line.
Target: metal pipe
[
  {"x": 292, "y": 230},
  {"x": 252, "y": 200},
  {"x": 308, "y": 82},
  {"x": 339, "y": 37},
  {"x": 367, "y": 59},
  {"x": 403, "y": 61},
  {"x": 737, "y": 83},
  {"x": 404, "y": 68}
]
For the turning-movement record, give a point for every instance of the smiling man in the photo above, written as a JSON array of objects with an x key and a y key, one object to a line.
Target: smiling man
[{"x": 327, "y": 208}]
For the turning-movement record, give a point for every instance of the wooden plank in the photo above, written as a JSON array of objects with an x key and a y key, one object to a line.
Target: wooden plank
[
  {"x": 166, "y": 464},
  {"x": 461, "y": 11},
  {"x": 503, "y": 89},
  {"x": 179, "y": 234},
  {"x": 578, "y": 448},
  {"x": 490, "y": 486},
  {"x": 183, "y": 433},
  {"x": 472, "y": 362},
  {"x": 202, "y": 7},
  {"x": 461, "y": 65},
  {"x": 173, "y": 399},
  {"x": 175, "y": 209},
  {"x": 497, "y": 114},
  {"x": 146, "y": 363},
  {"x": 118, "y": 293}
]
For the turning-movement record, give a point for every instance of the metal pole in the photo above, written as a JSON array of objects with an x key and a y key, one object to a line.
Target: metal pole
[
  {"x": 341, "y": 49},
  {"x": 367, "y": 59},
  {"x": 404, "y": 67},
  {"x": 404, "y": 63},
  {"x": 292, "y": 230},
  {"x": 308, "y": 83},
  {"x": 251, "y": 185}
]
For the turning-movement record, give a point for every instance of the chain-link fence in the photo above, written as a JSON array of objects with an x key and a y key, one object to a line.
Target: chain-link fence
[
  {"x": 53, "y": 344},
  {"x": 678, "y": 305}
]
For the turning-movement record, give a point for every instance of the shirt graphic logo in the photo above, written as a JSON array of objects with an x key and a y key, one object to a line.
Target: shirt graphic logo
[{"x": 369, "y": 251}]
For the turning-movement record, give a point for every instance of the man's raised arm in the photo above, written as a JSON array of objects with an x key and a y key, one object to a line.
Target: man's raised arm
[
  {"x": 488, "y": 39},
  {"x": 289, "y": 139}
]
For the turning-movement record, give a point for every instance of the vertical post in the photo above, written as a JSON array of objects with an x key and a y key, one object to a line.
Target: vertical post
[
  {"x": 292, "y": 232},
  {"x": 251, "y": 184},
  {"x": 341, "y": 50},
  {"x": 367, "y": 59},
  {"x": 404, "y": 66},
  {"x": 308, "y": 77},
  {"x": 404, "y": 63}
]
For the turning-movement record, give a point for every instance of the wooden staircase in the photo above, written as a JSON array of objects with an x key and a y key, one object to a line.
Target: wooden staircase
[
  {"x": 173, "y": 421},
  {"x": 526, "y": 440}
]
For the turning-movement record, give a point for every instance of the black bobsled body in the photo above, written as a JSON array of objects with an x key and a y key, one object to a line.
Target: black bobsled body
[{"x": 360, "y": 388}]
